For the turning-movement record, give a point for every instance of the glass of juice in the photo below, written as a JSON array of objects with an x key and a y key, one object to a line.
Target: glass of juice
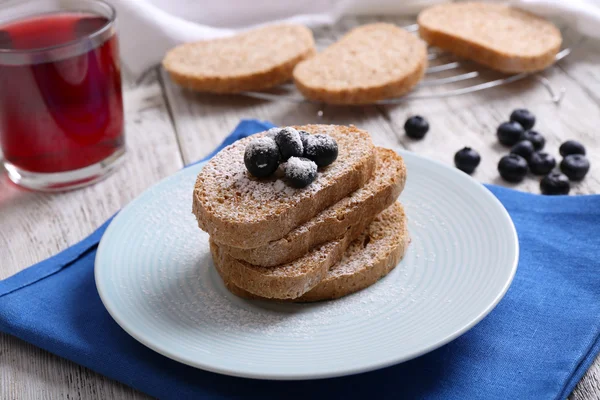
[{"x": 61, "y": 105}]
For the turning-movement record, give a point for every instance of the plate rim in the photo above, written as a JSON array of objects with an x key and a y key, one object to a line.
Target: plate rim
[{"x": 365, "y": 367}]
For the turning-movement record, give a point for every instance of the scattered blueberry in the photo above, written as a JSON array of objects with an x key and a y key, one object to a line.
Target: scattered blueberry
[
  {"x": 289, "y": 143},
  {"x": 524, "y": 117},
  {"x": 512, "y": 168},
  {"x": 300, "y": 172},
  {"x": 510, "y": 133},
  {"x": 571, "y": 147},
  {"x": 304, "y": 137},
  {"x": 467, "y": 160},
  {"x": 541, "y": 163},
  {"x": 555, "y": 183},
  {"x": 416, "y": 127},
  {"x": 524, "y": 148},
  {"x": 322, "y": 149},
  {"x": 535, "y": 138},
  {"x": 261, "y": 157},
  {"x": 575, "y": 166}
]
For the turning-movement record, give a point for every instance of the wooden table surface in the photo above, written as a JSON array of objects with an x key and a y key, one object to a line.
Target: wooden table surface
[{"x": 168, "y": 127}]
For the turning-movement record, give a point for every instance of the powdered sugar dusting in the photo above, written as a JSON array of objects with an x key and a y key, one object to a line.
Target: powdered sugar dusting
[
  {"x": 289, "y": 142},
  {"x": 233, "y": 194},
  {"x": 319, "y": 144},
  {"x": 300, "y": 168},
  {"x": 261, "y": 145},
  {"x": 384, "y": 174}
]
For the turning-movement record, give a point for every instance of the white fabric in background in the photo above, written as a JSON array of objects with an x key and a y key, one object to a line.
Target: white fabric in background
[
  {"x": 582, "y": 15},
  {"x": 149, "y": 28}
]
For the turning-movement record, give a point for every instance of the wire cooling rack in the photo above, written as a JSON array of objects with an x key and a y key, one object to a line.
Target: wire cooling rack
[{"x": 446, "y": 76}]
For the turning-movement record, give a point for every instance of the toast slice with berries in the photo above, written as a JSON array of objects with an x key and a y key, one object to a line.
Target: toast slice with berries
[
  {"x": 378, "y": 194},
  {"x": 370, "y": 63},
  {"x": 253, "y": 60},
  {"x": 368, "y": 258},
  {"x": 243, "y": 211},
  {"x": 496, "y": 35}
]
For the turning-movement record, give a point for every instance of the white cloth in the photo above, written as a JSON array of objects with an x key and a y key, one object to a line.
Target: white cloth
[
  {"x": 582, "y": 15},
  {"x": 149, "y": 28}
]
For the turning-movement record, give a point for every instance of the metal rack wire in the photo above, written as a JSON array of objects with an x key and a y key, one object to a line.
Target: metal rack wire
[{"x": 445, "y": 77}]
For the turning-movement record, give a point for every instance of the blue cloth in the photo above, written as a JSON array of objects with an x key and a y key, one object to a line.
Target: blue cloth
[{"x": 537, "y": 343}]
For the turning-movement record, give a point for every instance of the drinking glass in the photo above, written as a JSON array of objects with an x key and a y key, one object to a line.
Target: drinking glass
[{"x": 61, "y": 105}]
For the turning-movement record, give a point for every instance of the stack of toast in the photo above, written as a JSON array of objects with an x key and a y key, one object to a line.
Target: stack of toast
[{"x": 338, "y": 235}]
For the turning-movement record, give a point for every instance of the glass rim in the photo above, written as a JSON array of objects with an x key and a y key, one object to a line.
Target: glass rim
[{"x": 97, "y": 34}]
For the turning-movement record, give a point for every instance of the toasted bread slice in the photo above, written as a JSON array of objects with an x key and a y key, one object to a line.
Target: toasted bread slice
[
  {"x": 369, "y": 258},
  {"x": 290, "y": 280},
  {"x": 239, "y": 210},
  {"x": 370, "y": 63},
  {"x": 501, "y": 37},
  {"x": 253, "y": 60},
  {"x": 378, "y": 194}
]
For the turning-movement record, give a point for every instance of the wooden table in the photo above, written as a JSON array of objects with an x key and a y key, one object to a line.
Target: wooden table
[{"x": 168, "y": 127}]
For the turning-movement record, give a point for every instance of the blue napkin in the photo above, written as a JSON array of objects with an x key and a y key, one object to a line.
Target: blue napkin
[{"x": 537, "y": 343}]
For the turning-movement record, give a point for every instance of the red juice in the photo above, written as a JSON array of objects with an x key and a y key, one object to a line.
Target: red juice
[{"x": 63, "y": 114}]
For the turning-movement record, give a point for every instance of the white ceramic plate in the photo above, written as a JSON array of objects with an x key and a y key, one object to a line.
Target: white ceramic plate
[{"x": 155, "y": 276}]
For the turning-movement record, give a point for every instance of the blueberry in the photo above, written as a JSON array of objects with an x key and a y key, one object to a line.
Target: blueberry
[
  {"x": 289, "y": 143},
  {"x": 300, "y": 172},
  {"x": 555, "y": 183},
  {"x": 261, "y": 157},
  {"x": 467, "y": 160},
  {"x": 524, "y": 148},
  {"x": 416, "y": 127},
  {"x": 510, "y": 133},
  {"x": 304, "y": 137},
  {"x": 541, "y": 163},
  {"x": 571, "y": 147},
  {"x": 535, "y": 138},
  {"x": 575, "y": 166},
  {"x": 512, "y": 168},
  {"x": 524, "y": 117},
  {"x": 322, "y": 149}
]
